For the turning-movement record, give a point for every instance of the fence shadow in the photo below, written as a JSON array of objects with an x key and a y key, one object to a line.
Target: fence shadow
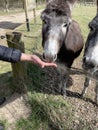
[{"x": 7, "y": 88}]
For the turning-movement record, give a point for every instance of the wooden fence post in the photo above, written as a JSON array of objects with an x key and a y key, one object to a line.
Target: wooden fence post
[{"x": 15, "y": 40}]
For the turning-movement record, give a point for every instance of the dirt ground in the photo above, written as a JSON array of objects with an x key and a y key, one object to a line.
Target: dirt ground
[
  {"x": 84, "y": 108},
  {"x": 12, "y": 21},
  {"x": 9, "y": 110}
]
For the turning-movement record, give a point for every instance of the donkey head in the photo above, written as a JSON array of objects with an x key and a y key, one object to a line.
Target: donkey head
[
  {"x": 56, "y": 20},
  {"x": 90, "y": 59}
]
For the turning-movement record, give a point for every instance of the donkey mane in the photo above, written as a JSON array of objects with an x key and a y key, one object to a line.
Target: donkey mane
[{"x": 60, "y": 7}]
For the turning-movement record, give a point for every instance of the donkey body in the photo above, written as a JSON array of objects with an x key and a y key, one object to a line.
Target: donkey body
[
  {"x": 61, "y": 36},
  {"x": 90, "y": 59}
]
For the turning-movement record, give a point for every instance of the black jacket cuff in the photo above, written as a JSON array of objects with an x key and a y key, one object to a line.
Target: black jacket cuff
[{"x": 9, "y": 54}]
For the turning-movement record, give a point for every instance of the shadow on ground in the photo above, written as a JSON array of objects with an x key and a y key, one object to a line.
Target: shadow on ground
[
  {"x": 7, "y": 89},
  {"x": 41, "y": 80},
  {"x": 9, "y": 25},
  {"x": 48, "y": 82}
]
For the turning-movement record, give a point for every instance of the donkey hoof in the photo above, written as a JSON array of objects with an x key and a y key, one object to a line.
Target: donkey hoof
[
  {"x": 63, "y": 92},
  {"x": 96, "y": 100},
  {"x": 69, "y": 82},
  {"x": 64, "y": 96},
  {"x": 96, "y": 103},
  {"x": 60, "y": 88},
  {"x": 82, "y": 94}
]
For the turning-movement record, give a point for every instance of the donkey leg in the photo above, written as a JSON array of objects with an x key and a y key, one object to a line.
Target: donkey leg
[
  {"x": 63, "y": 77},
  {"x": 60, "y": 80},
  {"x": 64, "y": 87},
  {"x": 64, "y": 83},
  {"x": 96, "y": 91},
  {"x": 61, "y": 73},
  {"x": 86, "y": 84}
]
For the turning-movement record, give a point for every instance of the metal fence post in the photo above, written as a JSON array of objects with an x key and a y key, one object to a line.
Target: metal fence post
[{"x": 26, "y": 14}]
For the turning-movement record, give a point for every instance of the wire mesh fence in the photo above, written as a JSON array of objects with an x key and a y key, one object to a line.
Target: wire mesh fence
[
  {"x": 19, "y": 4},
  {"x": 8, "y": 5},
  {"x": 49, "y": 110},
  {"x": 87, "y": 2},
  {"x": 34, "y": 45}
]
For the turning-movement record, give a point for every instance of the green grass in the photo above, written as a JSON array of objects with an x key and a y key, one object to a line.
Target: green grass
[
  {"x": 49, "y": 112},
  {"x": 3, "y": 123},
  {"x": 83, "y": 15}
]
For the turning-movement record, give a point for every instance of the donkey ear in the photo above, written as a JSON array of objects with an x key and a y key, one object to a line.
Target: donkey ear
[
  {"x": 71, "y": 3},
  {"x": 43, "y": 15},
  {"x": 70, "y": 21}
]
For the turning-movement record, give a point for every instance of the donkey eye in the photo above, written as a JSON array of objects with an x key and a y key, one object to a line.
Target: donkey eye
[
  {"x": 65, "y": 25},
  {"x": 44, "y": 22},
  {"x": 92, "y": 28}
]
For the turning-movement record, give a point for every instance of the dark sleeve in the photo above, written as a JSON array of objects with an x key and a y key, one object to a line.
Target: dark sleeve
[{"x": 9, "y": 54}]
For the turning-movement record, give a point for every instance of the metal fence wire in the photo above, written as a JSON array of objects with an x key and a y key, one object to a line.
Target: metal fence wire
[
  {"x": 16, "y": 4},
  {"x": 87, "y": 2},
  {"x": 44, "y": 83}
]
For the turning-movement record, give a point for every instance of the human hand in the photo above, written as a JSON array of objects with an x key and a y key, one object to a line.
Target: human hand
[
  {"x": 36, "y": 60},
  {"x": 41, "y": 63}
]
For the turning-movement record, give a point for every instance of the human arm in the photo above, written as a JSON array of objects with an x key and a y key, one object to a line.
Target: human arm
[{"x": 14, "y": 55}]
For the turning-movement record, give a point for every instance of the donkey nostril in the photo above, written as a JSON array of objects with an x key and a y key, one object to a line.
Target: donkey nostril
[
  {"x": 55, "y": 57},
  {"x": 88, "y": 63},
  {"x": 86, "y": 59},
  {"x": 43, "y": 56},
  {"x": 85, "y": 62},
  {"x": 49, "y": 57},
  {"x": 91, "y": 64}
]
